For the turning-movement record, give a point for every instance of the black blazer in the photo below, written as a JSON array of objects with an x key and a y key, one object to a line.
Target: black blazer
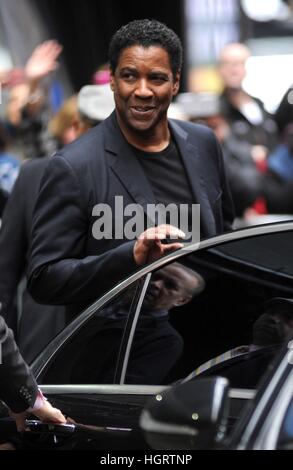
[
  {"x": 37, "y": 324},
  {"x": 67, "y": 264},
  {"x": 18, "y": 388}
]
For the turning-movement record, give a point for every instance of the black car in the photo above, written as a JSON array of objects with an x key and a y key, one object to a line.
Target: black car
[{"x": 190, "y": 324}]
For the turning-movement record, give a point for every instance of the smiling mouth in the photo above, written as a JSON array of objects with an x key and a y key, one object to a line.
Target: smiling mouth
[{"x": 142, "y": 109}]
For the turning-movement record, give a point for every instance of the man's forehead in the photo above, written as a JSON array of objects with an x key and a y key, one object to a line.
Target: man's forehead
[
  {"x": 176, "y": 270},
  {"x": 136, "y": 53}
]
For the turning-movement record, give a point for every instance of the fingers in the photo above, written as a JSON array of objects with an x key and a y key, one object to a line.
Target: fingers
[
  {"x": 43, "y": 60},
  {"x": 160, "y": 232},
  {"x": 46, "y": 413},
  {"x": 172, "y": 247},
  {"x": 19, "y": 420},
  {"x": 50, "y": 48},
  {"x": 50, "y": 414},
  {"x": 149, "y": 246}
]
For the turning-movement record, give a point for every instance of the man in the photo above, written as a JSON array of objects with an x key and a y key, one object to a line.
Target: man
[
  {"x": 136, "y": 154},
  {"x": 18, "y": 388},
  {"x": 245, "y": 114}
]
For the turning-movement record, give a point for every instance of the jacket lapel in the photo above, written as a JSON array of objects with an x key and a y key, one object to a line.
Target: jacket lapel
[
  {"x": 126, "y": 166},
  {"x": 192, "y": 162}
]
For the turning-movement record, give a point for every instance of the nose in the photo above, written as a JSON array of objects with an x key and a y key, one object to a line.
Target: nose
[{"x": 143, "y": 89}]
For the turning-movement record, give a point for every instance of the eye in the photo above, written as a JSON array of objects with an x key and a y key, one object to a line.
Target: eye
[
  {"x": 170, "y": 285},
  {"x": 128, "y": 76},
  {"x": 159, "y": 79}
]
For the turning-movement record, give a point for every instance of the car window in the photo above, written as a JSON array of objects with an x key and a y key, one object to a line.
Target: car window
[
  {"x": 199, "y": 316},
  {"x": 208, "y": 315},
  {"x": 272, "y": 252},
  {"x": 90, "y": 355}
]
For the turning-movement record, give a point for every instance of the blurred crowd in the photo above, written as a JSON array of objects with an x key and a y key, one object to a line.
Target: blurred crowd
[
  {"x": 31, "y": 127},
  {"x": 257, "y": 146},
  {"x": 257, "y": 149}
]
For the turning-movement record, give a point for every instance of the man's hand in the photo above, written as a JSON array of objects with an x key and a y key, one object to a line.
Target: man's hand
[
  {"x": 46, "y": 413},
  {"x": 149, "y": 246},
  {"x": 43, "y": 60}
]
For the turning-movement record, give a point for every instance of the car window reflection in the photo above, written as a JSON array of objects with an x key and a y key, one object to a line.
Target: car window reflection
[
  {"x": 179, "y": 301},
  {"x": 244, "y": 365},
  {"x": 157, "y": 345},
  {"x": 91, "y": 355}
]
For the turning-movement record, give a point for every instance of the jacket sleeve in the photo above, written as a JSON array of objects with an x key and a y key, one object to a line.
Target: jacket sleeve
[
  {"x": 59, "y": 270},
  {"x": 18, "y": 388}
]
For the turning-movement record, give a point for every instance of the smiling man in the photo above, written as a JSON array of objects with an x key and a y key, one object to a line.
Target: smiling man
[
  {"x": 144, "y": 85},
  {"x": 137, "y": 155}
]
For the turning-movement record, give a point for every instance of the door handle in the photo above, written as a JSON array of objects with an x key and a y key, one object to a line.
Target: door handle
[{"x": 39, "y": 427}]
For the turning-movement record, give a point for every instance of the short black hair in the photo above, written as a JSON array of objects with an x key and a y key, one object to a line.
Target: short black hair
[{"x": 146, "y": 33}]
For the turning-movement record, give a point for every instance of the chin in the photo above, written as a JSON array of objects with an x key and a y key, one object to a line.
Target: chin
[{"x": 141, "y": 126}]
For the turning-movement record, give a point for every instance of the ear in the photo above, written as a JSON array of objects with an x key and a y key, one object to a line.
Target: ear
[
  {"x": 176, "y": 83},
  {"x": 183, "y": 300},
  {"x": 112, "y": 81}
]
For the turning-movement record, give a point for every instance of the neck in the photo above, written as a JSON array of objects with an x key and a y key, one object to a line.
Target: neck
[{"x": 151, "y": 140}]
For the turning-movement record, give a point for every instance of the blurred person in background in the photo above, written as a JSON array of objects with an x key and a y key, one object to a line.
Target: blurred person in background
[
  {"x": 9, "y": 164},
  {"x": 102, "y": 75},
  {"x": 246, "y": 116},
  {"x": 257, "y": 189},
  {"x": 38, "y": 324},
  {"x": 280, "y": 160},
  {"x": 284, "y": 114},
  {"x": 62, "y": 126},
  {"x": 28, "y": 110},
  {"x": 245, "y": 179}
]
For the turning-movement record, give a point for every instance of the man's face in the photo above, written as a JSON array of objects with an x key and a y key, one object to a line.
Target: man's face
[
  {"x": 143, "y": 86},
  {"x": 170, "y": 287},
  {"x": 232, "y": 66}
]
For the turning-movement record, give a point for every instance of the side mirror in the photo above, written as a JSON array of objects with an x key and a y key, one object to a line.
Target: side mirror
[{"x": 191, "y": 415}]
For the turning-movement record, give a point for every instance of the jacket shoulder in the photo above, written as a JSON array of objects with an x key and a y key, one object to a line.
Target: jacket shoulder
[{"x": 196, "y": 132}]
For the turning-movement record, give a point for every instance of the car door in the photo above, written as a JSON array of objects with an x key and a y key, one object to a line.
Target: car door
[
  {"x": 161, "y": 325},
  {"x": 213, "y": 331},
  {"x": 77, "y": 371}
]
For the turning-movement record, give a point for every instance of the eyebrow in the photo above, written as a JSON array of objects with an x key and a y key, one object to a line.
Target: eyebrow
[
  {"x": 151, "y": 73},
  {"x": 128, "y": 69}
]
